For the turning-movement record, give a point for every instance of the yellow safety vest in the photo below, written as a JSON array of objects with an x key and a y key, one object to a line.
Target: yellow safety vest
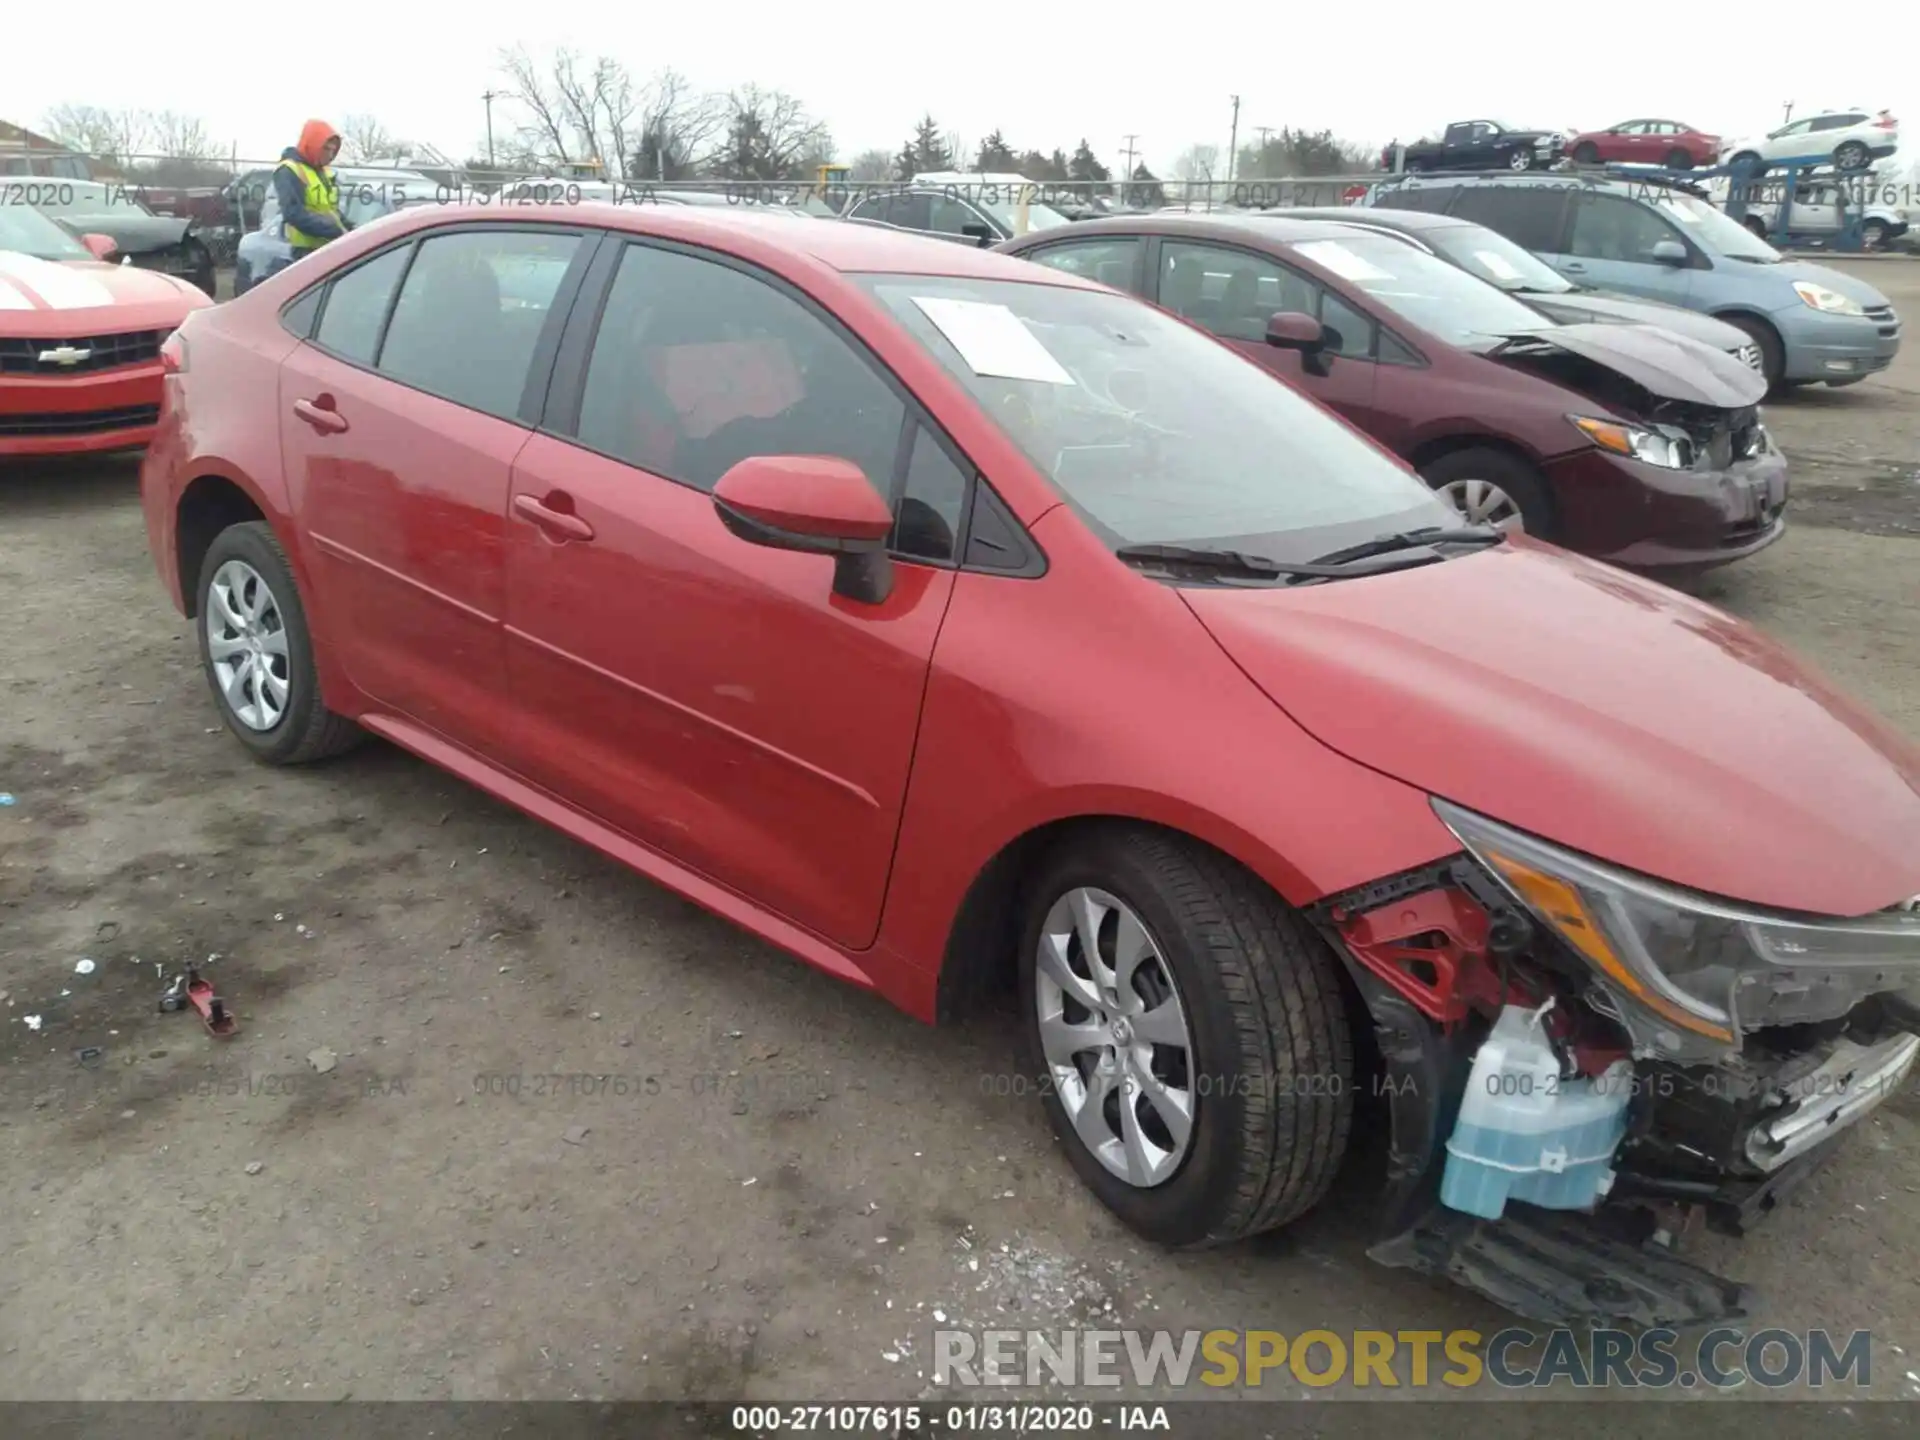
[{"x": 323, "y": 198}]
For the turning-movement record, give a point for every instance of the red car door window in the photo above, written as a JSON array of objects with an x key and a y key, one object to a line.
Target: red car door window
[{"x": 715, "y": 384}]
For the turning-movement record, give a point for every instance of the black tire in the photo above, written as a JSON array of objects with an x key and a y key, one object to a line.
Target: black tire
[
  {"x": 1679, "y": 160},
  {"x": 1773, "y": 358},
  {"x": 1520, "y": 160},
  {"x": 1522, "y": 483},
  {"x": 305, "y": 730},
  {"x": 1852, "y": 155},
  {"x": 1756, "y": 226},
  {"x": 1271, "y": 1073},
  {"x": 1586, "y": 153},
  {"x": 1874, "y": 235},
  {"x": 1749, "y": 157}
]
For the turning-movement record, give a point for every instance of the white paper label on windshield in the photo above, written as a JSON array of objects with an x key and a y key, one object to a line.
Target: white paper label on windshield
[
  {"x": 1341, "y": 261},
  {"x": 993, "y": 340},
  {"x": 1498, "y": 264}
]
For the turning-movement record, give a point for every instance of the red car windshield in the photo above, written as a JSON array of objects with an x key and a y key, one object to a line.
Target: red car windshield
[
  {"x": 1152, "y": 431},
  {"x": 26, "y": 231}
]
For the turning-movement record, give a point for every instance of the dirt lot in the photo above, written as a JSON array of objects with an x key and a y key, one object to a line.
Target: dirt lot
[{"x": 781, "y": 1182}]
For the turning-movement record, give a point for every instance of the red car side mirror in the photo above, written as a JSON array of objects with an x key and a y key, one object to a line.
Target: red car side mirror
[
  {"x": 815, "y": 504},
  {"x": 101, "y": 247}
]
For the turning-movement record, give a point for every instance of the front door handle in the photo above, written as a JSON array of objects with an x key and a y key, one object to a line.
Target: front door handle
[
  {"x": 562, "y": 524},
  {"x": 1573, "y": 265},
  {"x": 324, "y": 418}
]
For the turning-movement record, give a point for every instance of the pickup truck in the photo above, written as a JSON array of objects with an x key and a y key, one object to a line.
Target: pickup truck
[{"x": 1482, "y": 145}]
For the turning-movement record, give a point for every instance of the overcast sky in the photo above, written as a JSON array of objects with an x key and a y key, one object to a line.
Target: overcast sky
[{"x": 1045, "y": 77}]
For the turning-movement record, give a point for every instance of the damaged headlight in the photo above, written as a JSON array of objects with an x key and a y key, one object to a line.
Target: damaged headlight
[
  {"x": 1688, "y": 974},
  {"x": 1830, "y": 302},
  {"x": 1637, "y": 442}
]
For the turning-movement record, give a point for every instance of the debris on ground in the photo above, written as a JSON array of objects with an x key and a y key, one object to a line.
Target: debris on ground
[
  {"x": 576, "y": 1134},
  {"x": 322, "y": 1059},
  {"x": 5, "y": 798},
  {"x": 254, "y": 1167},
  {"x": 33, "y": 1023},
  {"x": 83, "y": 966}
]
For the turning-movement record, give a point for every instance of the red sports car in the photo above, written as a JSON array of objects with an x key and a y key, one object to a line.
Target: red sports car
[
  {"x": 1666, "y": 143},
  {"x": 79, "y": 339},
  {"x": 955, "y": 624}
]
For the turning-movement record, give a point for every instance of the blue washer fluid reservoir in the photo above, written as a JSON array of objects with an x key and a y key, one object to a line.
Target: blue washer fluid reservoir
[{"x": 1526, "y": 1134}]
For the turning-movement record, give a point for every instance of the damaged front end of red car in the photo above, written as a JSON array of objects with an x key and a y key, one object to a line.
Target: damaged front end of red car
[{"x": 1561, "y": 1110}]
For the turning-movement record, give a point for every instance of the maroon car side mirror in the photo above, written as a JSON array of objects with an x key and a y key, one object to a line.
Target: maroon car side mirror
[
  {"x": 815, "y": 504},
  {"x": 1292, "y": 330},
  {"x": 101, "y": 247}
]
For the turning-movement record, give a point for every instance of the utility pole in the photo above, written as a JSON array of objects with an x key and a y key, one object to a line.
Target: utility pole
[
  {"x": 489, "y": 97},
  {"x": 1126, "y": 173},
  {"x": 1233, "y": 147}
]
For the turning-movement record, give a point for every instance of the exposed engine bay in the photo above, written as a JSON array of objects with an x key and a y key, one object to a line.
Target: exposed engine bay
[
  {"x": 1704, "y": 401},
  {"x": 1575, "y": 1075}
]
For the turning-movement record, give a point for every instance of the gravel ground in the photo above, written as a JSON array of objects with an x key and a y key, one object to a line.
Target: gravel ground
[{"x": 372, "y": 1191}]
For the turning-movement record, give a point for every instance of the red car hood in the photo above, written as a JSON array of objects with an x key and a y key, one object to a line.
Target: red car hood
[
  {"x": 87, "y": 297},
  {"x": 1607, "y": 713}
]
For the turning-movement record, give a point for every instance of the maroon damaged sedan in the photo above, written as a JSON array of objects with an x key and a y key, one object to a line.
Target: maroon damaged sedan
[{"x": 1629, "y": 443}]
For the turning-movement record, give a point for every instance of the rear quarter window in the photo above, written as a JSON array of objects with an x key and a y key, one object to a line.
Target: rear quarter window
[{"x": 1528, "y": 215}]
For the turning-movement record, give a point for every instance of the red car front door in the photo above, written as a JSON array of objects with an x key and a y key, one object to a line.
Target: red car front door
[
  {"x": 398, "y": 429},
  {"x": 712, "y": 699}
]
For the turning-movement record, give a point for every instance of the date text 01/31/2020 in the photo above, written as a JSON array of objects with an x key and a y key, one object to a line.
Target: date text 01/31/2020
[{"x": 962, "y": 1418}]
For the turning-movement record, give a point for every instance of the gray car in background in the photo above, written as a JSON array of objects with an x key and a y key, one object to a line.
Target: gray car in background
[
  {"x": 1525, "y": 276},
  {"x": 1812, "y": 324}
]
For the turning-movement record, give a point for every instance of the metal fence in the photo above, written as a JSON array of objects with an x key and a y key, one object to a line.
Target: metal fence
[{"x": 223, "y": 198}]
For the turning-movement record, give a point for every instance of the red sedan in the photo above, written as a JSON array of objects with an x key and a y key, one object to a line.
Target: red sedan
[
  {"x": 79, "y": 340},
  {"x": 1666, "y": 143},
  {"x": 955, "y": 623}
]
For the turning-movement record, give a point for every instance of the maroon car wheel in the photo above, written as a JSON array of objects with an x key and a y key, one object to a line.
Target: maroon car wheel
[{"x": 1492, "y": 487}]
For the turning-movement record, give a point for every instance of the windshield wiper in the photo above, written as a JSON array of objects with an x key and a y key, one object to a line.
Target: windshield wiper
[
  {"x": 1226, "y": 562},
  {"x": 1402, "y": 540},
  {"x": 1335, "y": 566},
  {"x": 1234, "y": 563}
]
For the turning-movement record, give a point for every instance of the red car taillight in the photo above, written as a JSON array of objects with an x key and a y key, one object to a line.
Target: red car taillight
[
  {"x": 173, "y": 354},
  {"x": 1885, "y": 122}
]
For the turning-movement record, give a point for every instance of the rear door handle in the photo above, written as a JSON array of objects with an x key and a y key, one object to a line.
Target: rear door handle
[
  {"x": 323, "y": 418},
  {"x": 563, "y": 524},
  {"x": 1573, "y": 265}
]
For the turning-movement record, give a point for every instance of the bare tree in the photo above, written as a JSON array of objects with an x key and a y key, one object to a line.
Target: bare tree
[
  {"x": 114, "y": 136},
  {"x": 677, "y": 128},
  {"x": 181, "y": 137},
  {"x": 544, "y": 133},
  {"x": 769, "y": 136},
  {"x": 871, "y": 167},
  {"x": 364, "y": 139},
  {"x": 1197, "y": 162}
]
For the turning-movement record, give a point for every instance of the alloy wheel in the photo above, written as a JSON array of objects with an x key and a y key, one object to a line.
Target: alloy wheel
[
  {"x": 1482, "y": 502},
  {"x": 247, "y": 643},
  {"x": 1118, "y": 1049},
  {"x": 1520, "y": 160},
  {"x": 1851, "y": 156}
]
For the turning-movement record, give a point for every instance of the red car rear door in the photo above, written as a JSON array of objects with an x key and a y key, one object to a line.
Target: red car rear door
[
  {"x": 399, "y": 421},
  {"x": 712, "y": 699}
]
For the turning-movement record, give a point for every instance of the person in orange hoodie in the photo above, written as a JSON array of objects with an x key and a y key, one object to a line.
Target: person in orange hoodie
[{"x": 308, "y": 193}]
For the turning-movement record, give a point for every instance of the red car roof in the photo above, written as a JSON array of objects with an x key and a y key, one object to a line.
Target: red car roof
[{"x": 836, "y": 244}]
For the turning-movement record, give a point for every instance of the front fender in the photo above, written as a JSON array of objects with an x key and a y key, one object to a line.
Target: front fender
[{"x": 1041, "y": 708}]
